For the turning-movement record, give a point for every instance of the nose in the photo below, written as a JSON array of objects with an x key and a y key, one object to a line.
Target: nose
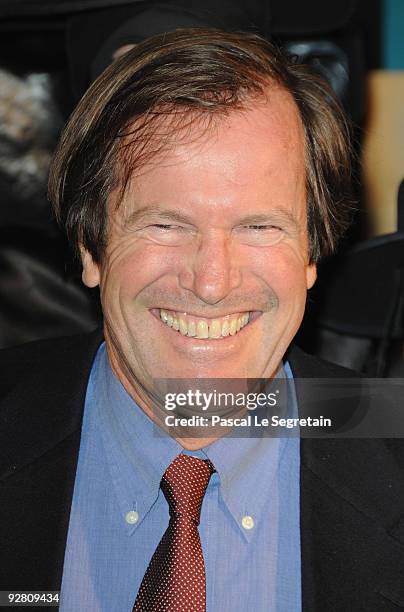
[{"x": 212, "y": 270}]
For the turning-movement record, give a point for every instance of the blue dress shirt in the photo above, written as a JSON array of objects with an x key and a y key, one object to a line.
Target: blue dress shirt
[{"x": 250, "y": 516}]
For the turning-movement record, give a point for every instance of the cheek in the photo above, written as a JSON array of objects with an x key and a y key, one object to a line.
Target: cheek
[
  {"x": 134, "y": 269},
  {"x": 284, "y": 270}
]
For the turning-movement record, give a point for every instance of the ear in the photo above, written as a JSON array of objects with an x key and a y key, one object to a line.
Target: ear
[
  {"x": 91, "y": 270},
  {"x": 311, "y": 275}
]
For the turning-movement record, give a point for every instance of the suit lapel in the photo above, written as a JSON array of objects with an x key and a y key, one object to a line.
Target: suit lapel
[
  {"x": 39, "y": 460},
  {"x": 352, "y": 522}
]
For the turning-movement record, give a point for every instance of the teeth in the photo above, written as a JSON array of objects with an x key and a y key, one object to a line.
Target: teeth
[
  {"x": 183, "y": 327},
  {"x": 215, "y": 329},
  {"x": 233, "y": 327},
  {"x": 192, "y": 328},
  {"x": 164, "y": 316},
  {"x": 225, "y": 328},
  {"x": 202, "y": 330}
]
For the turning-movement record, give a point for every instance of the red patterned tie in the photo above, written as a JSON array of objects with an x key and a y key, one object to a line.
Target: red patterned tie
[{"x": 175, "y": 578}]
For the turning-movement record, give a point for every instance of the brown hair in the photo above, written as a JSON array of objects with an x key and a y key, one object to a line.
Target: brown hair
[{"x": 184, "y": 74}]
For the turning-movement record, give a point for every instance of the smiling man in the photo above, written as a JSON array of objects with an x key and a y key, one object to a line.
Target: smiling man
[
  {"x": 199, "y": 181},
  {"x": 219, "y": 222}
]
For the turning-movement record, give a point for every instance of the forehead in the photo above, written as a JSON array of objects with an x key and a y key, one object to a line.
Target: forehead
[{"x": 248, "y": 151}]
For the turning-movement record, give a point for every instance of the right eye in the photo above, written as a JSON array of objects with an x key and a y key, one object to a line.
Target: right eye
[{"x": 167, "y": 234}]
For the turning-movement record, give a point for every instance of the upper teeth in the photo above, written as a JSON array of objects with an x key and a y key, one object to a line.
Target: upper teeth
[{"x": 204, "y": 328}]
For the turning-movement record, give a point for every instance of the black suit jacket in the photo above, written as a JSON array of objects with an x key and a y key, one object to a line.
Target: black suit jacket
[{"x": 352, "y": 491}]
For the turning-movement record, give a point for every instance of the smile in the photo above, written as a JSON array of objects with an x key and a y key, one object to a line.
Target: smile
[{"x": 203, "y": 328}]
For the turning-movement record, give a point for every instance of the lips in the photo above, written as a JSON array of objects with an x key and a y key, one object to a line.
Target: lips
[{"x": 203, "y": 328}]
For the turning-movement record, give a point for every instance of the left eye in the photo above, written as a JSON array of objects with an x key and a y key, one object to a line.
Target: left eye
[
  {"x": 260, "y": 235},
  {"x": 261, "y": 227},
  {"x": 162, "y": 226},
  {"x": 268, "y": 229}
]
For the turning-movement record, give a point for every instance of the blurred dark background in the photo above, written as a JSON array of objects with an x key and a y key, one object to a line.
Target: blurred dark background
[{"x": 50, "y": 50}]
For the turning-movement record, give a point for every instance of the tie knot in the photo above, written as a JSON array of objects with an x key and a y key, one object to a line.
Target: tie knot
[{"x": 184, "y": 484}]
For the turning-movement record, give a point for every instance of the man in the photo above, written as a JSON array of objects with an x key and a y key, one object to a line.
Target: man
[{"x": 199, "y": 180}]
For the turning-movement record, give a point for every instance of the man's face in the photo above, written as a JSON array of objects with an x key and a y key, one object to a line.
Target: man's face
[{"x": 211, "y": 235}]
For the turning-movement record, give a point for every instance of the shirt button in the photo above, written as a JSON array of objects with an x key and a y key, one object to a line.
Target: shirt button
[
  {"x": 132, "y": 517},
  {"x": 247, "y": 522}
]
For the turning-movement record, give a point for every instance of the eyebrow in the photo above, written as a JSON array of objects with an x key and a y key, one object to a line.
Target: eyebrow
[{"x": 277, "y": 215}]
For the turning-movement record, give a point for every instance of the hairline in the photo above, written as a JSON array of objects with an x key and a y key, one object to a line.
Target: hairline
[{"x": 198, "y": 116}]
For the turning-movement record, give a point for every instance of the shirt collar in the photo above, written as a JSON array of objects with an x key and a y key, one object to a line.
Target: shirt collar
[
  {"x": 248, "y": 468},
  {"x": 138, "y": 455}
]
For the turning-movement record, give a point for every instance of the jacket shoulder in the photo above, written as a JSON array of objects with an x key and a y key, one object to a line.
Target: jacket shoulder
[
  {"x": 43, "y": 357},
  {"x": 304, "y": 365}
]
